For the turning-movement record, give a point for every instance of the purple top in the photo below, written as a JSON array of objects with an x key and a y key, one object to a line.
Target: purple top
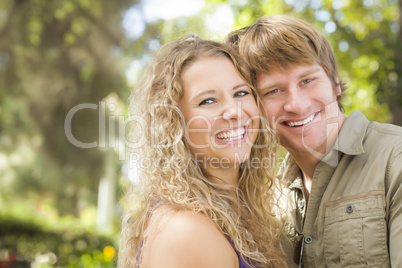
[{"x": 242, "y": 263}]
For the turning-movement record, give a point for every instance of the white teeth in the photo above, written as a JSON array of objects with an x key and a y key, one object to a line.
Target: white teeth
[
  {"x": 232, "y": 134},
  {"x": 299, "y": 123}
]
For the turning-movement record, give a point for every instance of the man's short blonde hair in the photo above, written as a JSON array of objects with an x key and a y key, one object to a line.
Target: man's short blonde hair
[{"x": 278, "y": 41}]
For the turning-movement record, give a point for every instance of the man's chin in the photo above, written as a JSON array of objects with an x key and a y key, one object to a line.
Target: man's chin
[{"x": 306, "y": 147}]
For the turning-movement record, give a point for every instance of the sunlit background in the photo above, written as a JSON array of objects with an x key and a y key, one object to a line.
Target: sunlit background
[{"x": 67, "y": 68}]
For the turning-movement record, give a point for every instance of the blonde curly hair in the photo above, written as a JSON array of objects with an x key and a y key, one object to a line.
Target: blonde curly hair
[{"x": 175, "y": 177}]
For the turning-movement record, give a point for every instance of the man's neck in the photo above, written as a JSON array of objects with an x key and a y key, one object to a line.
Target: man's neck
[
  {"x": 307, "y": 182},
  {"x": 308, "y": 161},
  {"x": 307, "y": 165}
]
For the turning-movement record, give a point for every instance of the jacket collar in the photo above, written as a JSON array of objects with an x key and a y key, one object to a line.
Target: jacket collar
[
  {"x": 289, "y": 173},
  {"x": 349, "y": 141},
  {"x": 351, "y": 137}
]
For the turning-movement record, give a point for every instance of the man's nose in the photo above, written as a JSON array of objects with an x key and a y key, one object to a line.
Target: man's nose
[{"x": 295, "y": 101}]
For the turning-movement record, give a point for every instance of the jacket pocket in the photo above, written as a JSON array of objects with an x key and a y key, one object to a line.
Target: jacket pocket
[{"x": 355, "y": 231}]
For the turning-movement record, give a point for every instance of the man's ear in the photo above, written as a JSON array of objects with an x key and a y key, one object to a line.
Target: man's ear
[{"x": 338, "y": 90}]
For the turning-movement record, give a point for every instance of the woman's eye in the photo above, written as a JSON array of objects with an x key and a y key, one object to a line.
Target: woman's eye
[
  {"x": 241, "y": 93},
  {"x": 207, "y": 101}
]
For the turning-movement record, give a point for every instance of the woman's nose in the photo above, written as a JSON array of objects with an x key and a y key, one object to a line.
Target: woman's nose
[{"x": 232, "y": 110}]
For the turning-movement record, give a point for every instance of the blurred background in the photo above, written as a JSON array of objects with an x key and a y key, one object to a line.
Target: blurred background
[{"x": 67, "y": 68}]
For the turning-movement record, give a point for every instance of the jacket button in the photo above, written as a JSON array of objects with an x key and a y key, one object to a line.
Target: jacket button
[
  {"x": 308, "y": 239},
  {"x": 349, "y": 209}
]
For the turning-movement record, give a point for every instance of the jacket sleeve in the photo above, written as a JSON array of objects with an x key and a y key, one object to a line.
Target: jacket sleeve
[{"x": 394, "y": 201}]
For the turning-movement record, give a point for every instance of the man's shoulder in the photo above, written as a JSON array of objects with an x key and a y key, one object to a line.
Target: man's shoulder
[
  {"x": 356, "y": 122},
  {"x": 370, "y": 140},
  {"x": 389, "y": 130},
  {"x": 384, "y": 135},
  {"x": 383, "y": 140}
]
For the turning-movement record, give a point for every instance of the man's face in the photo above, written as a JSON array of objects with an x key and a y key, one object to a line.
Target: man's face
[{"x": 301, "y": 105}]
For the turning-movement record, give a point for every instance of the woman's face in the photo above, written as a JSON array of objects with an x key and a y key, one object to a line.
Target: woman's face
[{"x": 220, "y": 112}]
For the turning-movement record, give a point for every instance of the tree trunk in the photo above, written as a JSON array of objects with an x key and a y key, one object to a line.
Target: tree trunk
[{"x": 106, "y": 194}]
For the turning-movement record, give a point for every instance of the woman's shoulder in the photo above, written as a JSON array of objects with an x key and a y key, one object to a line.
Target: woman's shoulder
[{"x": 183, "y": 238}]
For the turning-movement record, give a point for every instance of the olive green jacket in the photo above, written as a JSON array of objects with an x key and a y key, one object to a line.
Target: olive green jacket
[{"x": 354, "y": 213}]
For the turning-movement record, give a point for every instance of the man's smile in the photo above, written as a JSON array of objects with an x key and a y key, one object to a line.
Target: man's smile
[{"x": 300, "y": 122}]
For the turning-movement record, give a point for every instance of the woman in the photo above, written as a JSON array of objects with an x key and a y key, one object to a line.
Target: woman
[{"x": 206, "y": 199}]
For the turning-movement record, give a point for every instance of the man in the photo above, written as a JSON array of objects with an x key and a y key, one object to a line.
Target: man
[{"x": 344, "y": 174}]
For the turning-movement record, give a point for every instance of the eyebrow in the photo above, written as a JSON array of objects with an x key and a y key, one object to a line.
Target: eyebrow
[
  {"x": 211, "y": 91},
  {"x": 306, "y": 73},
  {"x": 311, "y": 71},
  {"x": 239, "y": 86}
]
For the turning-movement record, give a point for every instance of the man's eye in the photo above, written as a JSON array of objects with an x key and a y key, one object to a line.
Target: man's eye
[
  {"x": 306, "y": 81},
  {"x": 272, "y": 91},
  {"x": 207, "y": 101}
]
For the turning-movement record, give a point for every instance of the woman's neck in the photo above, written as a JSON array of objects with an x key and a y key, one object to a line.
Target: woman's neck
[{"x": 226, "y": 175}]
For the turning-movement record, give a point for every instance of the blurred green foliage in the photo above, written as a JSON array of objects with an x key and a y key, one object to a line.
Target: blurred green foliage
[
  {"x": 366, "y": 37},
  {"x": 54, "y": 243},
  {"x": 55, "y": 55},
  {"x": 59, "y": 54}
]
